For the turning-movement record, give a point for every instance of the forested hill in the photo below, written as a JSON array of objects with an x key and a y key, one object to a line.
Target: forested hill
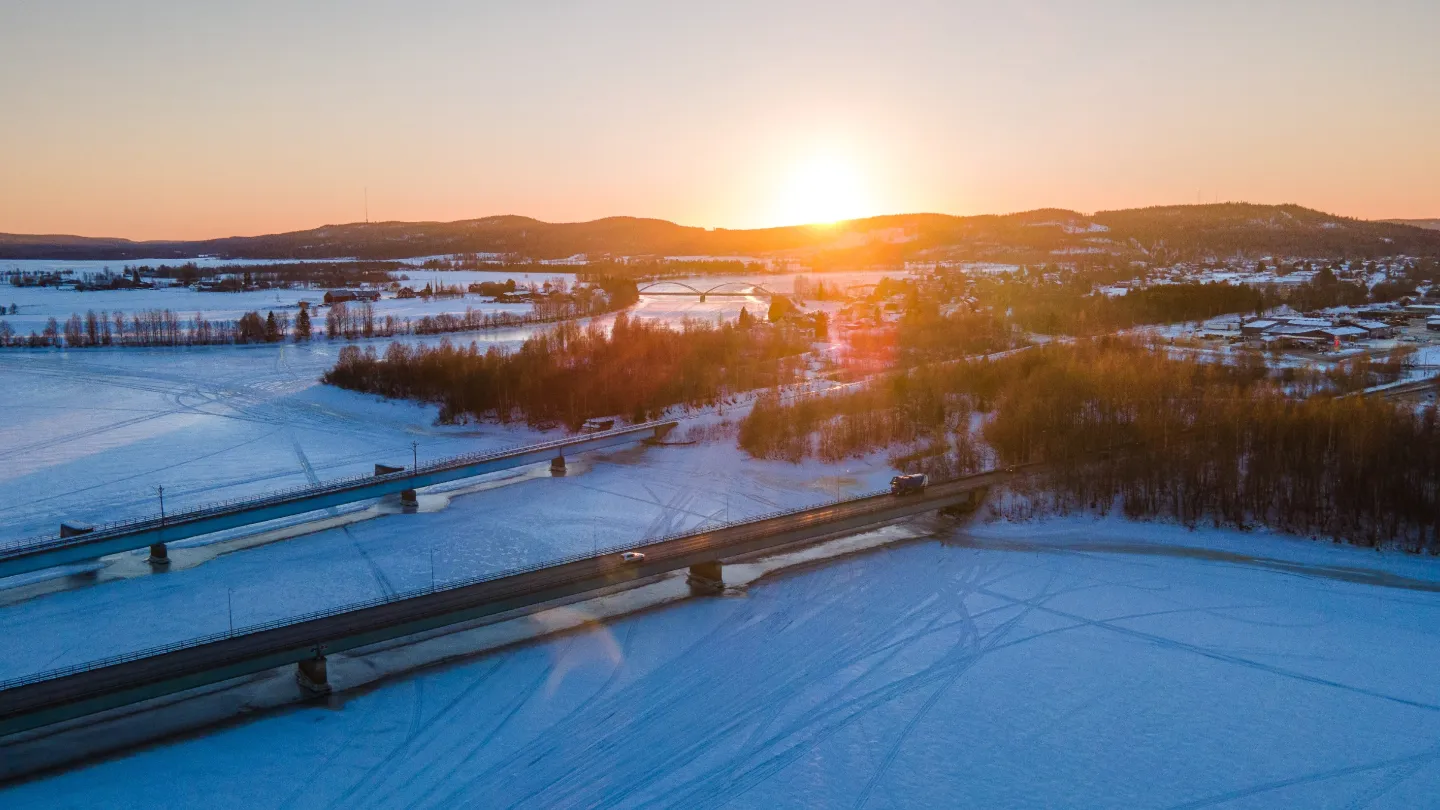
[
  {"x": 1429, "y": 224},
  {"x": 1169, "y": 232}
]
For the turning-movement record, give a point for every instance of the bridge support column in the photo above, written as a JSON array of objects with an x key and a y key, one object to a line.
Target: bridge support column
[
  {"x": 159, "y": 555},
  {"x": 409, "y": 501},
  {"x": 706, "y": 577},
  {"x": 557, "y": 465},
  {"x": 311, "y": 675}
]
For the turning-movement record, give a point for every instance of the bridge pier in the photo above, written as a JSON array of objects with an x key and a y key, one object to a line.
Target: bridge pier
[
  {"x": 159, "y": 555},
  {"x": 311, "y": 675},
  {"x": 706, "y": 577},
  {"x": 409, "y": 500},
  {"x": 557, "y": 466}
]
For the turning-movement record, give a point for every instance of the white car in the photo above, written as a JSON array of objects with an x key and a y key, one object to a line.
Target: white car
[{"x": 633, "y": 557}]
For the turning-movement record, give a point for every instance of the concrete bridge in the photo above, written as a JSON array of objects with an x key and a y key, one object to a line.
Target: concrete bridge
[
  {"x": 82, "y": 542},
  {"x": 304, "y": 641}
]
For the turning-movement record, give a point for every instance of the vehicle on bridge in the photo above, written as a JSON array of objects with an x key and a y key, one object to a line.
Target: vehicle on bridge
[
  {"x": 907, "y": 484},
  {"x": 633, "y": 556}
]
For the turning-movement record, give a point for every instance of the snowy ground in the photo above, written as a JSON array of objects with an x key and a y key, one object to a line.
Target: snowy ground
[{"x": 1069, "y": 663}]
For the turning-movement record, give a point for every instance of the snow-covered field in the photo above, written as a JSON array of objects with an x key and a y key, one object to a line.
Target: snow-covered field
[{"x": 1068, "y": 663}]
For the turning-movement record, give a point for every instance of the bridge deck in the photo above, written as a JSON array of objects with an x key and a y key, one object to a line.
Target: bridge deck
[
  {"x": 56, "y": 696},
  {"x": 34, "y": 554}
]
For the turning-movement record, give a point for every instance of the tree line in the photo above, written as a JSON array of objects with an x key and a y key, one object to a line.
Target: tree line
[
  {"x": 1154, "y": 434},
  {"x": 570, "y": 373},
  {"x": 166, "y": 327},
  {"x": 156, "y": 327}
]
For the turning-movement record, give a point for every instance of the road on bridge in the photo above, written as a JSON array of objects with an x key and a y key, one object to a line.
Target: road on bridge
[{"x": 34, "y": 554}]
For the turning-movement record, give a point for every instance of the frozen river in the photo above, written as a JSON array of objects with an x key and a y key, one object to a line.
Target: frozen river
[{"x": 983, "y": 671}]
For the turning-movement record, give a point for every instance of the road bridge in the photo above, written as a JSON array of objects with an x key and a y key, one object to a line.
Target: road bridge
[
  {"x": 723, "y": 289},
  {"x": 51, "y": 697},
  {"x": 74, "y": 543}
]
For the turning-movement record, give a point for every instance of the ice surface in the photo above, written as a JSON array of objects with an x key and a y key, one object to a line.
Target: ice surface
[{"x": 935, "y": 674}]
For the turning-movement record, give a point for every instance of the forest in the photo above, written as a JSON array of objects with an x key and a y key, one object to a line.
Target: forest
[
  {"x": 568, "y": 374},
  {"x": 1151, "y": 432}
]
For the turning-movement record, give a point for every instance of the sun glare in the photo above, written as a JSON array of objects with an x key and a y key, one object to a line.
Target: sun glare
[{"x": 822, "y": 190}]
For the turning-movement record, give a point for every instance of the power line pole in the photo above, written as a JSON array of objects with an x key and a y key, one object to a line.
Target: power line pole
[
  {"x": 414, "y": 457},
  {"x": 161, "y": 489}
]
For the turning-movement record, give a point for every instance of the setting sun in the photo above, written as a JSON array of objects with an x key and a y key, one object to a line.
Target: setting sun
[{"x": 822, "y": 189}]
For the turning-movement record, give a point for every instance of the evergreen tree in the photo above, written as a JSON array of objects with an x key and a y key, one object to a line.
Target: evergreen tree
[{"x": 302, "y": 325}]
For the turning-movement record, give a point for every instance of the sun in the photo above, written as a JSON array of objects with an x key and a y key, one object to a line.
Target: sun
[{"x": 820, "y": 190}]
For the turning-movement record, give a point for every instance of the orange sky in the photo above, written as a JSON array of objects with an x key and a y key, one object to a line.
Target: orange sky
[{"x": 179, "y": 120}]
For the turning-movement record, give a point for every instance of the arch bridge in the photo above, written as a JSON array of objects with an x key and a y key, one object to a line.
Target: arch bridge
[{"x": 749, "y": 288}]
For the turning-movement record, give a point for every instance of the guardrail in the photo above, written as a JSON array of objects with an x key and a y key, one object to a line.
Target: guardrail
[
  {"x": 41, "y": 542},
  {"x": 401, "y": 596}
]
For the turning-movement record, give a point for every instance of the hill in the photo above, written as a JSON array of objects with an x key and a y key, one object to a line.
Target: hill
[
  {"x": 1428, "y": 224},
  {"x": 1164, "y": 232}
]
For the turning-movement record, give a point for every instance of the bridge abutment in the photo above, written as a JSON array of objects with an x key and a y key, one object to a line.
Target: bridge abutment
[{"x": 973, "y": 502}]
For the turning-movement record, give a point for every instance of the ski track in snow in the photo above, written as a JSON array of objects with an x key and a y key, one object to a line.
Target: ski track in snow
[{"x": 923, "y": 675}]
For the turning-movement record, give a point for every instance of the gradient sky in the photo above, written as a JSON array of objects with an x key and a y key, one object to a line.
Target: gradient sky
[{"x": 169, "y": 119}]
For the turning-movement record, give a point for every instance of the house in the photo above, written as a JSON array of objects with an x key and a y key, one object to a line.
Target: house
[{"x": 341, "y": 296}]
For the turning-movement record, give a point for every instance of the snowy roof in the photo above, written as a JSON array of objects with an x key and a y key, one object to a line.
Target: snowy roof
[
  {"x": 1344, "y": 331},
  {"x": 1372, "y": 325},
  {"x": 1261, "y": 324}
]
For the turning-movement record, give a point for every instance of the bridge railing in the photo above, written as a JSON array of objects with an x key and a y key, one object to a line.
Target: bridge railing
[
  {"x": 240, "y": 503},
  {"x": 400, "y": 596}
]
